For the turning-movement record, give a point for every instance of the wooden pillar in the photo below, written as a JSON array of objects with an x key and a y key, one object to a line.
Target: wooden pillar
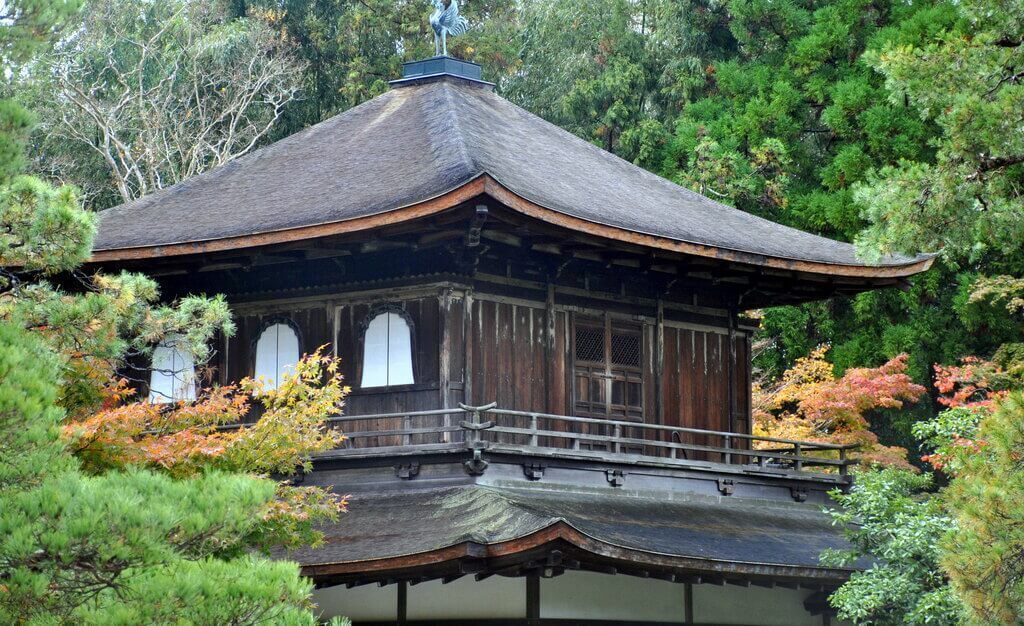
[
  {"x": 549, "y": 348},
  {"x": 468, "y": 337},
  {"x": 659, "y": 362},
  {"x": 444, "y": 303},
  {"x": 533, "y": 597},
  {"x": 402, "y": 611},
  {"x": 732, "y": 374},
  {"x": 687, "y": 603}
]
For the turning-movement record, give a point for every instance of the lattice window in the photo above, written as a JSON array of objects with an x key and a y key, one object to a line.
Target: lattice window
[
  {"x": 625, "y": 349},
  {"x": 590, "y": 344},
  {"x": 608, "y": 371}
]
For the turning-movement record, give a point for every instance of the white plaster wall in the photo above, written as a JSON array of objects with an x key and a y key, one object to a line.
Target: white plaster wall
[
  {"x": 465, "y": 598},
  {"x": 729, "y": 604},
  {"x": 366, "y": 602},
  {"x": 587, "y": 595},
  {"x": 573, "y": 595}
]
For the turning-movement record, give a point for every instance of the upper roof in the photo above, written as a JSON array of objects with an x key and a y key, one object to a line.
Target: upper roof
[{"x": 430, "y": 144}]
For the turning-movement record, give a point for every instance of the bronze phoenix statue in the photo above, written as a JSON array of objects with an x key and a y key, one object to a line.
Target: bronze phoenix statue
[{"x": 445, "y": 20}]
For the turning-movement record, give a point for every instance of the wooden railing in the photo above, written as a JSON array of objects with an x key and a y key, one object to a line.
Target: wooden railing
[{"x": 491, "y": 428}]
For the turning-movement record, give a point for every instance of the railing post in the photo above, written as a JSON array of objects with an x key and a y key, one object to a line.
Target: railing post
[
  {"x": 798, "y": 464},
  {"x": 533, "y": 430},
  {"x": 617, "y": 434},
  {"x": 842, "y": 457},
  {"x": 474, "y": 434},
  {"x": 728, "y": 446},
  {"x": 407, "y": 425}
]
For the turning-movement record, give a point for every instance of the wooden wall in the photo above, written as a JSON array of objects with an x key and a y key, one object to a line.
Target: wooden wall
[
  {"x": 508, "y": 357},
  {"x": 426, "y": 327},
  {"x": 313, "y": 322},
  {"x": 479, "y": 348}
]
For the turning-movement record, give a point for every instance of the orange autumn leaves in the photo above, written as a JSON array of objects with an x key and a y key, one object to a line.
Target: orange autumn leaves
[
  {"x": 810, "y": 403},
  {"x": 184, "y": 438},
  {"x": 188, "y": 438}
]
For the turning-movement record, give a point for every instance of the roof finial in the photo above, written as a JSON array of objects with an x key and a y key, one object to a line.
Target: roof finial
[{"x": 445, "y": 20}]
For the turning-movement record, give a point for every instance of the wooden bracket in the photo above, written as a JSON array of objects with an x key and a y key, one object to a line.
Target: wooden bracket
[
  {"x": 476, "y": 225},
  {"x": 726, "y": 486},
  {"x": 476, "y": 465},
  {"x": 407, "y": 471},
  {"x": 615, "y": 478},
  {"x": 468, "y": 256},
  {"x": 533, "y": 471},
  {"x": 799, "y": 493}
]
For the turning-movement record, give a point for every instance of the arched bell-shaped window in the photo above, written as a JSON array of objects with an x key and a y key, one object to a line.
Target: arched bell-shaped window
[
  {"x": 172, "y": 375},
  {"x": 277, "y": 353},
  {"x": 387, "y": 351}
]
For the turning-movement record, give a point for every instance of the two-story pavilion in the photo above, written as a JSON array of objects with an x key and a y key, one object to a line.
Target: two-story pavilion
[{"x": 550, "y": 416}]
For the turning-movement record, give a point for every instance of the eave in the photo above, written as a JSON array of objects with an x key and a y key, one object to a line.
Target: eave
[
  {"x": 486, "y": 185},
  {"x": 560, "y": 546}
]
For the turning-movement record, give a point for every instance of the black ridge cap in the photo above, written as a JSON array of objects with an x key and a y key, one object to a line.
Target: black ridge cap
[{"x": 426, "y": 70}]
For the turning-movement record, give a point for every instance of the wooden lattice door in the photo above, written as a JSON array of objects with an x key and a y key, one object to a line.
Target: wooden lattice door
[{"x": 607, "y": 373}]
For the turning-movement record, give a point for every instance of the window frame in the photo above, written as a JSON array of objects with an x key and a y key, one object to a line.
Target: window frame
[
  {"x": 364, "y": 326},
  {"x": 265, "y": 325}
]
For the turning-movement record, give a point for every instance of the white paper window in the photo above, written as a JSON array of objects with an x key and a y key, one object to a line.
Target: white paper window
[
  {"x": 387, "y": 351},
  {"x": 172, "y": 376},
  {"x": 277, "y": 353}
]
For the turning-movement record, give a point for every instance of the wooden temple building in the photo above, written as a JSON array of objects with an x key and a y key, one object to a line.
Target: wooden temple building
[{"x": 550, "y": 417}]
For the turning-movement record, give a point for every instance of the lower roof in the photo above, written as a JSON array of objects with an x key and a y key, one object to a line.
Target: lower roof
[{"x": 384, "y": 533}]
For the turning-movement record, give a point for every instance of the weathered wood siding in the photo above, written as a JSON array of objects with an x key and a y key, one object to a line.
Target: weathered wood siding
[
  {"x": 426, "y": 333},
  {"x": 508, "y": 356},
  {"x": 312, "y": 322},
  {"x": 479, "y": 348}
]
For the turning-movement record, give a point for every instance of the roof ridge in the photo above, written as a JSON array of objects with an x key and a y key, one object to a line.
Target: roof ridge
[{"x": 460, "y": 140}]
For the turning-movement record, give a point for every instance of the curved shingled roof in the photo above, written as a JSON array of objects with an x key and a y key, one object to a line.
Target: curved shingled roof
[
  {"x": 387, "y": 531},
  {"x": 426, "y": 146}
]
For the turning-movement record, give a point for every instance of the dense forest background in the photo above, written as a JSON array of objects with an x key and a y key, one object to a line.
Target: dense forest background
[{"x": 894, "y": 124}]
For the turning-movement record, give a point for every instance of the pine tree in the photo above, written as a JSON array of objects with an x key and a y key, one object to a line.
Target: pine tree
[{"x": 121, "y": 545}]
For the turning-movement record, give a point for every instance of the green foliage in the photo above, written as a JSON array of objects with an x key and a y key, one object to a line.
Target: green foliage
[
  {"x": 15, "y": 123},
  {"x": 43, "y": 228},
  {"x": 123, "y": 547},
  {"x": 968, "y": 202},
  {"x": 893, "y": 523},
  {"x": 949, "y": 437},
  {"x": 26, "y": 26},
  {"x": 983, "y": 556},
  {"x": 118, "y": 547},
  {"x": 138, "y": 95},
  {"x": 350, "y": 50},
  {"x": 788, "y": 128},
  {"x": 29, "y": 418},
  {"x": 615, "y": 72}
]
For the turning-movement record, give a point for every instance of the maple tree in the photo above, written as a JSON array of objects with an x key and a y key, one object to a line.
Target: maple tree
[
  {"x": 186, "y": 439},
  {"x": 811, "y": 403}
]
